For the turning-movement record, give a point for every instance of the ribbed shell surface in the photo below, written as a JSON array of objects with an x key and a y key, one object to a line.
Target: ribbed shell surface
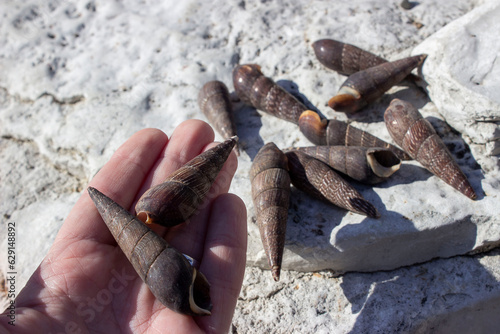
[
  {"x": 344, "y": 58},
  {"x": 253, "y": 88},
  {"x": 215, "y": 104},
  {"x": 417, "y": 137},
  {"x": 353, "y": 160},
  {"x": 271, "y": 195},
  {"x": 373, "y": 82},
  {"x": 179, "y": 196},
  {"x": 165, "y": 270},
  {"x": 333, "y": 132},
  {"x": 318, "y": 179}
]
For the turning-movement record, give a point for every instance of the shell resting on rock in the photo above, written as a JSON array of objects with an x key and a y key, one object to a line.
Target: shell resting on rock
[
  {"x": 419, "y": 138},
  {"x": 215, "y": 104},
  {"x": 167, "y": 272},
  {"x": 364, "y": 164},
  {"x": 179, "y": 196},
  {"x": 253, "y": 88},
  {"x": 271, "y": 196},
  {"x": 333, "y": 132},
  {"x": 347, "y": 59},
  {"x": 319, "y": 180},
  {"x": 364, "y": 87},
  {"x": 344, "y": 58}
]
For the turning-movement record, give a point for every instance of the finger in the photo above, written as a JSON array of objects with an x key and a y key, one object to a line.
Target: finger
[
  {"x": 224, "y": 259},
  {"x": 189, "y": 237},
  {"x": 120, "y": 179}
]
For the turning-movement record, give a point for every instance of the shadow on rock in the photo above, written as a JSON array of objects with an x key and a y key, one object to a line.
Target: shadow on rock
[
  {"x": 292, "y": 88},
  {"x": 422, "y": 298},
  {"x": 310, "y": 224},
  {"x": 412, "y": 94},
  {"x": 374, "y": 112},
  {"x": 368, "y": 193},
  {"x": 248, "y": 124},
  {"x": 407, "y": 174},
  {"x": 394, "y": 241}
]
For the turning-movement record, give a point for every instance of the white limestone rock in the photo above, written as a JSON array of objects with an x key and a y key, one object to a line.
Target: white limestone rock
[
  {"x": 460, "y": 293},
  {"x": 463, "y": 73},
  {"x": 78, "y": 78}
]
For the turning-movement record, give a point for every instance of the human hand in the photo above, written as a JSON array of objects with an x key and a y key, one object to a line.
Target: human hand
[{"x": 86, "y": 284}]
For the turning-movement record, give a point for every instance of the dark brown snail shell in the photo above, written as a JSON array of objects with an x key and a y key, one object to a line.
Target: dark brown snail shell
[
  {"x": 333, "y": 132},
  {"x": 253, "y": 88},
  {"x": 364, "y": 164},
  {"x": 417, "y": 137},
  {"x": 215, "y": 104},
  {"x": 348, "y": 59},
  {"x": 364, "y": 87},
  {"x": 271, "y": 196},
  {"x": 344, "y": 58},
  {"x": 179, "y": 196},
  {"x": 167, "y": 272},
  {"x": 319, "y": 180}
]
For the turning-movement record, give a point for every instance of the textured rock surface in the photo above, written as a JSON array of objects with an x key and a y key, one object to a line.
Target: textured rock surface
[
  {"x": 463, "y": 73},
  {"x": 78, "y": 78},
  {"x": 460, "y": 293}
]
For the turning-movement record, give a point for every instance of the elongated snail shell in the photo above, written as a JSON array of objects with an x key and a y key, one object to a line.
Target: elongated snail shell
[
  {"x": 271, "y": 197},
  {"x": 167, "y": 272},
  {"x": 364, "y": 164},
  {"x": 179, "y": 196},
  {"x": 319, "y": 180},
  {"x": 348, "y": 59},
  {"x": 253, "y": 88},
  {"x": 215, "y": 104},
  {"x": 333, "y": 132},
  {"x": 344, "y": 58},
  {"x": 418, "y": 137},
  {"x": 364, "y": 87}
]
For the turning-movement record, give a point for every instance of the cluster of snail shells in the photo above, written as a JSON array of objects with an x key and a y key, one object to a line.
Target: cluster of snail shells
[
  {"x": 170, "y": 275},
  {"x": 340, "y": 146}
]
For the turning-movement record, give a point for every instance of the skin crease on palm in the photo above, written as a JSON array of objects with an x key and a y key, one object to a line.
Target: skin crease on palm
[{"x": 86, "y": 284}]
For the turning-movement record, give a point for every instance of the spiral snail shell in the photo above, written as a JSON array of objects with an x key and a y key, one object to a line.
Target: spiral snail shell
[
  {"x": 271, "y": 196},
  {"x": 215, "y": 104},
  {"x": 364, "y": 87},
  {"x": 167, "y": 272},
  {"x": 369, "y": 165},
  {"x": 344, "y": 58},
  {"x": 347, "y": 59},
  {"x": 333, "y": 132},
  {"x": 178, "y": 197},
  {"x": 319, "y": 180},
  {"x": 417, "y": 137},
  {"x": 253, "y": 88}
]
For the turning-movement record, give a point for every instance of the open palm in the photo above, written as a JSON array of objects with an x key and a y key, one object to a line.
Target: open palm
[{"x": 86, "y": 284}]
